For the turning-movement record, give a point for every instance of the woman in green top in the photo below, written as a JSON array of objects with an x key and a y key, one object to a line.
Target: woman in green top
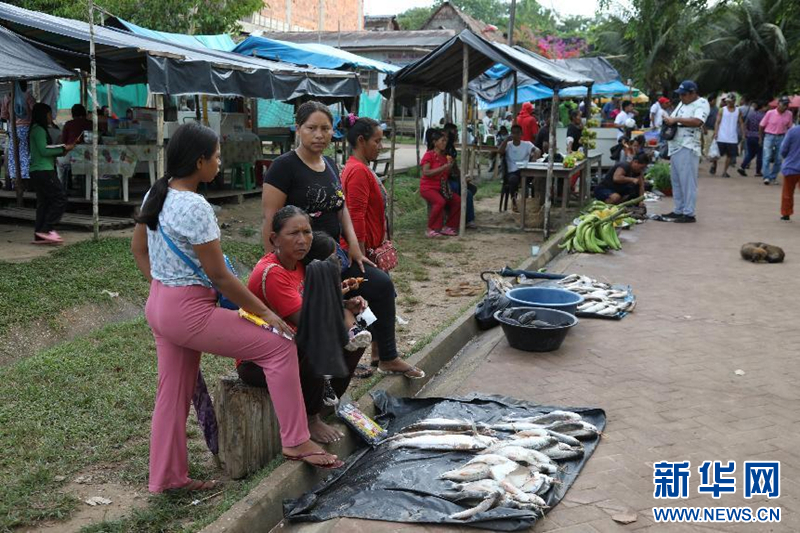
[{"x": 50, "y": 198}]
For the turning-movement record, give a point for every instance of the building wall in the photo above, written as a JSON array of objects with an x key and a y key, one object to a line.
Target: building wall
[{"x": 307, "y": 15}]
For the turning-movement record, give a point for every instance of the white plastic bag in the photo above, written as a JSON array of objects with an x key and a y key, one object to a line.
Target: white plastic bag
[{"x": 713, "y": 151}]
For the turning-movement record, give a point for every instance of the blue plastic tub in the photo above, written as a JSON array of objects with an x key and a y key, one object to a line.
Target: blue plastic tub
[{"x": 549, "y": 297}]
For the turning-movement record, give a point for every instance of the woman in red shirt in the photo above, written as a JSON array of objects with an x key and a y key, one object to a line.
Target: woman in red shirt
[
  {"x": 278, "y": 281},
  {"x": 433, "y": 187},
  {"x": 364, "y": 194}
]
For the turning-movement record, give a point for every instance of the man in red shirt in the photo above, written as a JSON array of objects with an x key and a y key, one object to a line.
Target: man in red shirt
[
  {"x": 75, "y": 127},
  {"x": 528, "y": 122}
]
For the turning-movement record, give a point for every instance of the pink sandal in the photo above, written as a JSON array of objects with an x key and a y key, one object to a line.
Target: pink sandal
[
  {"x": 450, "y": 232},
  {"x": 338, "y": 464}
]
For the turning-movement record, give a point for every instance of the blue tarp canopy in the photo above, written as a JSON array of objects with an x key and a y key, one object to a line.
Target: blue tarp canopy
[
  {"x": 221, "y": 42},
  {"x": 311, "y": 54}
]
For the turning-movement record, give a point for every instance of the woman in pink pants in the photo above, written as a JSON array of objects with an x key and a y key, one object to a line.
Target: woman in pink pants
[
  {"x": 434, "y": 188},
  {"x": 186, "y": 321}
]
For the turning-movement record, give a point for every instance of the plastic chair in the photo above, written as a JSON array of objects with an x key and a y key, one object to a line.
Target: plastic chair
[{"x": 243, "y": 176}]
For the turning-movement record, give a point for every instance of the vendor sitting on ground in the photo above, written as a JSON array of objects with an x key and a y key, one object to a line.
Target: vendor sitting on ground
[
  {"x": 623, "y": 182},
  {"x": 281, "y": 288},
  {"x": 516, "y": 151}
]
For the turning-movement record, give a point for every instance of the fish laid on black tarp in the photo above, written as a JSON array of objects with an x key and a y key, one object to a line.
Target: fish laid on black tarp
[{"x": 446, "y": 485}]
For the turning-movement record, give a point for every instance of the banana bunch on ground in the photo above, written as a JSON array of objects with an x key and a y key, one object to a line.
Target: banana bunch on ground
[
  {"x": 604, "y": 210},
  {"x": 596, "y": 230},
  {"x": 593, "y": 235}
]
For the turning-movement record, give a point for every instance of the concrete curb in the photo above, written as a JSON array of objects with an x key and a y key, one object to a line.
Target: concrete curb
[{"x": 262, "y": 508}]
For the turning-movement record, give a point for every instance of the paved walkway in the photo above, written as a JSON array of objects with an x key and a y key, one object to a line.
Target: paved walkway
[{"x": 666, "y": 374}]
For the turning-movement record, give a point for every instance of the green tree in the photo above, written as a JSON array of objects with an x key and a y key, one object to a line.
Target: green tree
[
  {"x": 750, "y": 48},
  {"x": 414, "y": 18},
  {"x": 178, "y": 16},
  {"x": 654, "y": 42}
]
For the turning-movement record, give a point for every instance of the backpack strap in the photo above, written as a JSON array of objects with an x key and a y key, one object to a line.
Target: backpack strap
[
  {"x": 196, "y": 269},
  {"x": 264, "y": 280}
]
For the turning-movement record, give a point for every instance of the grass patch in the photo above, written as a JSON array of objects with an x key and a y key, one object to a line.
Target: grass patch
[
  {"x": 70, "y": 276},
  {"x": 77, "y": 274},
  {"x": 88, "y": 402}
]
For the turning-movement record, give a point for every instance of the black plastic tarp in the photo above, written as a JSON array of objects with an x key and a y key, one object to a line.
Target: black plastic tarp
[
  {"x": 124, "y": 58},
  {"x": 402, "y": 485},
  {"x": 442, "y": 69},
  {"x": 21, "y": 61},
  {"x": 597, "y": 68}
]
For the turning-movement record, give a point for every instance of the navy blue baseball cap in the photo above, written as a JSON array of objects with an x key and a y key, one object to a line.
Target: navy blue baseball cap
[{"x": 686, "y": 86}]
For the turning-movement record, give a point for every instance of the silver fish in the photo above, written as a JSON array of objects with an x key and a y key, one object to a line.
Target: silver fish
[
  {"x": 485, "y": 505},
  {"x": 580, "y": 429},
  {"x": 517, "y": 426},
  {"x": 532, "y": 443},
  {"x": 437, "y": 432},
  {"x": 466, "y": 473},
  {"x": 522, "y": 455},
  {"x": 548, "y": 418},
  {"x": 482, "y": 467},
  {"x": 538, "y": 483},
  {"x": 566, "y": 439},
  {"x": 539, "y": 431},
  {"x": 521, "y": 496},
  {"x": 443, "y": 424},
  {"x": 563, "y": 452},
  {"x": 445, "y": 442}
]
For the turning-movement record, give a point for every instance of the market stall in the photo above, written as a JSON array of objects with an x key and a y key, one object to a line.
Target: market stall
[
  {"x": 169, "y": 68},
  {"x": 463, "y": 58},
  {"x": 21, "y": 61}
]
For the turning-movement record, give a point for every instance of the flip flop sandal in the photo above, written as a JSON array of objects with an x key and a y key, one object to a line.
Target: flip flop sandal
[
  {"x": 333, "y": 466},
  {"x": 195, "y": 485},
  {"x": 406, "y": 374},
  {"x": 363, "y": 371}
]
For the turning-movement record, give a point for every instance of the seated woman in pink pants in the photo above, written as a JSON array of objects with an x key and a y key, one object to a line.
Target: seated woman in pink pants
[
  {"x": 186, "y": 321},
  {"x": 435, "y": 190}
]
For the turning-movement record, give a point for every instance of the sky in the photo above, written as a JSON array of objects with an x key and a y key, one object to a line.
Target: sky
[{"x": 564, "y": 7}]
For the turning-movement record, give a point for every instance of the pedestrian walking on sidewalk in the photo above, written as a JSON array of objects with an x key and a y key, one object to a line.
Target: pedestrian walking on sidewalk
[
  {"x": 790, "y": 152},
  {"x": 772, "y": 129},
  {"x": 727, "y": 132},
  {"x": 685, "y": 150},
  {"x": 753, "y": 149}
]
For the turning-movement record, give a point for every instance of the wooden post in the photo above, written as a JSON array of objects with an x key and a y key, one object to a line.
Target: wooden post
[
  {"x": 15, "y": 139},
  {"x": 95, "y": 129},
  {"x": 462, "y": 224},
  {"x": 550, "y": 161},
  {"x": 391, "y": 158},
  {"x": 249, "y": 436},
  {"x": 416, "y": 128},
  {"x": 109, "y": 100},
  {"x": 83, "y": 89},
  {"x": 516, "y": 102},
  {"x": 159, "y": 134},
  {"x": 587, "y": 103}
]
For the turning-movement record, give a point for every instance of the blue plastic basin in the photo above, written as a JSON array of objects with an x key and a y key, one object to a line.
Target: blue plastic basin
[{"x": 550, "y": 297}]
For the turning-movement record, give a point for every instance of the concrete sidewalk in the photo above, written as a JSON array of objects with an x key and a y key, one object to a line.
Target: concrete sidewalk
[{"x": 666, "y": 374}]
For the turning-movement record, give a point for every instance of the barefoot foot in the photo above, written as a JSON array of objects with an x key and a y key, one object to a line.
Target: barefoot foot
[{"x": 322, "y": 432}]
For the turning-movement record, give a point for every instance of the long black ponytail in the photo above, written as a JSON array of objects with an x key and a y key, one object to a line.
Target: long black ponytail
[{"x": 191, "y": 142}]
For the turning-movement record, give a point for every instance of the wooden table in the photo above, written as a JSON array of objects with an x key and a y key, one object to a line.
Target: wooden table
[
  {"x": 493, "y": 152},
  {"x": 538, "y": 171},
  {"x": 114, "y": 160}
]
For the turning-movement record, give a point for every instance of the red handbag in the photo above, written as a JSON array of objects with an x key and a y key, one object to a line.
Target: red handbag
[{"x": 384, "y": 256}]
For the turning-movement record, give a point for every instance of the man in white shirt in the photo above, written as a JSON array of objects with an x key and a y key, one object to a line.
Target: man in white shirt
[
  {"x": 727, "y": 132},
  {"x": 516, "y": 151},
  {"x": 685, "y": 150},
  {"x": 625, "y": 113},
  {"x": 488, "y": 126},
  {"x": 657, "y": 112}
]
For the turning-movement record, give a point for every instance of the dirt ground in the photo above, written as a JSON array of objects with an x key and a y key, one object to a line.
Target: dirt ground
[{"x": 423, "y": 300}]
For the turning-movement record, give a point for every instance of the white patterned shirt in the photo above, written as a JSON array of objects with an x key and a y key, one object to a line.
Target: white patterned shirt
[
  {"x": 689, "y": 137},
  {"x": 188, "y": 219}
]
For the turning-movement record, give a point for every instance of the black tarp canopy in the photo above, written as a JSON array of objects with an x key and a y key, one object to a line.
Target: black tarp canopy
[
  {"x": 596, "y": 68},
  {"x": 124, "y": 58},
  {"x": 21, "y": 61},
  {"x": 441, "y": 70}
]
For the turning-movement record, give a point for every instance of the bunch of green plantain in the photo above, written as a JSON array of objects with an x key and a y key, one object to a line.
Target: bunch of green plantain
[{"x": 596, "y": 232}]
